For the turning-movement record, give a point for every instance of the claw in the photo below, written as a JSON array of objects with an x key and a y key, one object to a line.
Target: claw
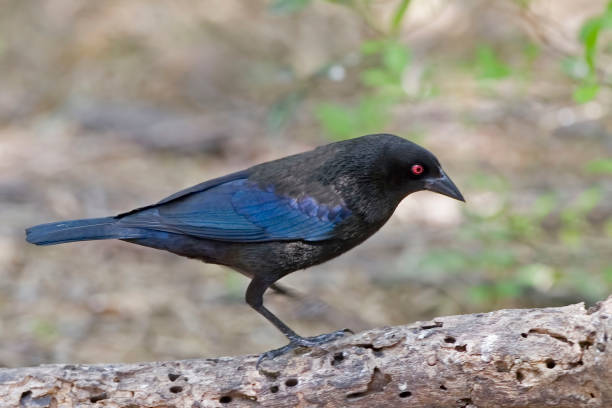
[{"x": 302, "y": 342}]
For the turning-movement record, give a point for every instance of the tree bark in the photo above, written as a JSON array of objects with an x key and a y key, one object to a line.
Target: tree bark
[{"x": 557, "y": 357}]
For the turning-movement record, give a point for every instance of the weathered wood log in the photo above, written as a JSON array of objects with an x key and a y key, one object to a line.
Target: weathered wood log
[{"x": 509, "y": 358}]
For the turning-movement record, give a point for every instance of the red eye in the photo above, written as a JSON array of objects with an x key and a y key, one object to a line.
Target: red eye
[{"x": 417, "y": 169}]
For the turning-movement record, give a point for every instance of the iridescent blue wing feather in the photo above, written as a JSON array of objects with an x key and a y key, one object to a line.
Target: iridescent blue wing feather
[{"x": 240, "y": 211}]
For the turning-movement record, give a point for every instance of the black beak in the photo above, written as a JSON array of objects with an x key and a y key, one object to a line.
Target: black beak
[{"x": 445, "y": 186}]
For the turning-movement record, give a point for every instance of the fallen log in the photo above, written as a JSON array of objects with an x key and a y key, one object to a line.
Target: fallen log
[{"x": 557, "y": 357}]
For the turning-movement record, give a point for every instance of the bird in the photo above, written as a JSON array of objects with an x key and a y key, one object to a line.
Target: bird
[{"x": 277, "y": 217}]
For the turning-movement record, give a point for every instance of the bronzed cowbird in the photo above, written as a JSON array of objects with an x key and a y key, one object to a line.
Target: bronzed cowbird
[{"x": 276, "y": 217}]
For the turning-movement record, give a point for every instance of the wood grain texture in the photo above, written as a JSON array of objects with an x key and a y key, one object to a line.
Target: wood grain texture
[{"x": 509, "y": 358}]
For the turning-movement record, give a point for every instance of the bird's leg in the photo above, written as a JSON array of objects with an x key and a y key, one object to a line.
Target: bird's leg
[{"x": 254, "y": 297}]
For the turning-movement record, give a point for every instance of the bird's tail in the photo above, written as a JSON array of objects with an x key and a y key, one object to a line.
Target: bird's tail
[{"x": 80, "y": 230}]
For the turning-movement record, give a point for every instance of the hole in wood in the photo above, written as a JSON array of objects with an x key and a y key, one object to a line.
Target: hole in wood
[
  {"x": 405, "y": 394},
  {"x": 432, "y": 326},
  {"x": 576, "y": 364},
  {"x": 355, "y": 395},
  {"x": 501, "y": 366},
  {"x": 465, "y": 402},
  {"x": 449, "y": 339},
  {"x": 173, "y": 377},
  {"x": 550, "y": 363},
  {"x": 338, "y": 358},
  {"x": 274, "y": 389},
  {"x": 25, "y": 396},
  {"x": 176, "y": 389},
  {"x": 226, "y": 399},
  {"x": 99, "y": 397},
  {"x": 291, "y": 382}
]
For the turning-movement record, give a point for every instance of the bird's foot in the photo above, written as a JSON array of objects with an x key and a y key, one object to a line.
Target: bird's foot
[{"x": 298, "y": 342}]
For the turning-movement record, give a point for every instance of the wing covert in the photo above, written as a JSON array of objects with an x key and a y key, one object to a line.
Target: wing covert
[{"x": 240, "y": 211}]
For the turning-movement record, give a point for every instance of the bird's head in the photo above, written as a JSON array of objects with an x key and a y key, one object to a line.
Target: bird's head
[{"x": 411, "y": 168}]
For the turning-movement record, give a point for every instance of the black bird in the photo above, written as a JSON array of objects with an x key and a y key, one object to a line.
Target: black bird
[{"x": 277, "y": 217}]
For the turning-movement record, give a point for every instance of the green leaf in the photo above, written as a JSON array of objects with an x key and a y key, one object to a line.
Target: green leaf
[
  {"x": 481, "y": 294},
  {"x": 544, "y": 205},
  {"x": 522, "y": 3},
  {"x": 398, "y": 16},
  {"x": 599, "y": 166},
  {"x": 336, "y": 120},
  {"x": 531, "y": 51},
  {"x": 396, "y": 58},
  {"x": 590, "y": 30},
  {"x": 585, "y": 92},
  {"x": 496, "y": 258},
  {"x": 288, "y": 6},
  {"x": 376, "y": 77},
  {"x": 372, "y": 47},
  {"x": 608, "y": 228},
  {"x": 570, "y": 236},
  {"x": 589, "y": 34},
  {"x": 588, "y": 200},
  {"x": 508, "y": 289},
  {"x": 489, "y": 65},
  {"x": 522, "y": 226},
  {"x": 372, "y": 115}
]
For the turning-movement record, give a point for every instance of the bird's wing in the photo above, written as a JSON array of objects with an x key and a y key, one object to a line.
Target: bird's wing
[
  {"x": 198, "y": 188},
  {"x": 241, "y": 211}
]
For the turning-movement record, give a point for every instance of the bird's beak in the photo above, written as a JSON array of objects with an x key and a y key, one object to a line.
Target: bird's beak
[{"x": 444, "y": 185}]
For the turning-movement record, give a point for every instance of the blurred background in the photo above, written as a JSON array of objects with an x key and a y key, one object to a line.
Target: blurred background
[{"x": 109, "y": 105}]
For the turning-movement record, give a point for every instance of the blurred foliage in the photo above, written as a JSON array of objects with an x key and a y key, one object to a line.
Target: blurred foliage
[
  {"x": 499, "y": 237},
  {"x": 590, "y": 34},
  {"x": 488, "y": 65},
  {"x": 562, "y": 229},
  {"x": 386, "y": 75},
  {"x": 381, "y": 76},
  {"x": 599, "y": 166},
  {"x": 384, "y": 88}
]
